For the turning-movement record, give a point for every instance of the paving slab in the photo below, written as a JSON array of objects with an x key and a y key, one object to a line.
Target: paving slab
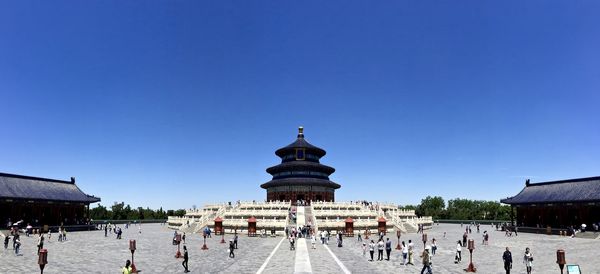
[{"x": 91, "y": 252}]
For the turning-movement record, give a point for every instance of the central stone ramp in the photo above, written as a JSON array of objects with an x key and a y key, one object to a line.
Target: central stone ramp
[
  {"x": 282, "y": 261},
  {"x": 322, "y": 261},
  {"x": 300, "y": 217},
  {"x": 302, "y": 264}
]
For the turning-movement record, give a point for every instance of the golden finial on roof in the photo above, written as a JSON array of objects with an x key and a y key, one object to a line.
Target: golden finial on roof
[{"x": 300, "y": 132}]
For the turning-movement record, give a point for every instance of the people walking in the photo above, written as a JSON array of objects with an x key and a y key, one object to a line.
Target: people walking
[
  {"x": 507, "y": 258},
  {"x": 388, "y": 248},
  {"x": 426, "y": 261},
  {"x": 292, "y": 242},
  {"x": 404, "y": 253},
  {"x": 364, "y": 248},
  {"x": 231, "y": 248},
  {"x": 185, "y": 259},
  {"x": 528, "y": 260},
  {"x": 458, "y": 256},
  {"x": 235, "y": 241},
  {"x": 183, "y": 237},
  {"x": 17, "y": 245},
  {"x": 16, "y": 238},
  {"x": 313, "y": 241},
  {"x": 380, "y": 247},
  {"x": 433, "y": 246},
  {"x": 411, "y": 247},
  {"x": 40, "y": 244},
  {"x": 6, "y": 240},
  {"x": 372, "y": 249}
]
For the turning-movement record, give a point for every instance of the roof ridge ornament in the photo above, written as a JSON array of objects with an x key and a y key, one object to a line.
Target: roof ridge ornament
[{"x": 301, "y": 132}]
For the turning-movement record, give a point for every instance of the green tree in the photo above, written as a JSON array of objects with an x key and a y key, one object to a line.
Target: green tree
[
  {"x": 117, "y": 211},
  {"x": 409, "y": 207},
  {"x": 180, "y": 212},
  {"x": 99, "y": 213},
  {"x": 431, "y": 206}
]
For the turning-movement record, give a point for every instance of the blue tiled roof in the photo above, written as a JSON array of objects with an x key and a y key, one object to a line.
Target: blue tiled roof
[
  {"x": 33, "y": 188},
  {"x": 300, "y": 143},
  {"x": 564, "y": 191}
]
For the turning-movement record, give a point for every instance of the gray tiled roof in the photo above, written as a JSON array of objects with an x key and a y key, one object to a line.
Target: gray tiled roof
[
  {"x": 21, "y": 187},
  {"x": 564, "y": 191}
]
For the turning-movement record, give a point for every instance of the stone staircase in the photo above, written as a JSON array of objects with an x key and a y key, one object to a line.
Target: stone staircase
[
  {"x": 405, "y": 227},
  {"x": 197, "y": 225},
  {"x": 313, "y": 220},
  {"x": 300, "y": 216},
  {"x": 292, "y": 221}
]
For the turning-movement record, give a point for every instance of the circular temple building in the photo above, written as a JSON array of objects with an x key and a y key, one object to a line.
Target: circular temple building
[{"x": 300, "y": 176}]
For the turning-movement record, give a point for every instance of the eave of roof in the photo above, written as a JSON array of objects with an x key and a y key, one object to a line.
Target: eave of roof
[
  {"x": 300, "y": 182},
  {"x": 301, "y": 165},
  {"x": 580, "y": 190},
  {"x": 21, "y": 187},
  {"x": 300, "y": 143}
]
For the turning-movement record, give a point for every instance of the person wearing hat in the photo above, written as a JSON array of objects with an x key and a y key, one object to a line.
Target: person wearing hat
[{"x": 231, "y": 247}]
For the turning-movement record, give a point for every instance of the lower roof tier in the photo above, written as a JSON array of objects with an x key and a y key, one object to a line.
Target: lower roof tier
[{"x": 300, "y": 182}]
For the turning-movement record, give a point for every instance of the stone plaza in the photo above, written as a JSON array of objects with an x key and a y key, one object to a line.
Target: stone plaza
[{"x": 91, "y": 252}]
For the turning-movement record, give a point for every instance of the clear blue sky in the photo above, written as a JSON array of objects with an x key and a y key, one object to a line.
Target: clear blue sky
[{"x": 176, "y": 103}]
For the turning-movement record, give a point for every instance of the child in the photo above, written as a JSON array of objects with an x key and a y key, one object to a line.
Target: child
[{"x": 364, "y": 248}]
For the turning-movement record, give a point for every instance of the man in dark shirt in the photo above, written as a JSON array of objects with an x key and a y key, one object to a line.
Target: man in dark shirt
[
  {"x": 388, "y": 248},
  {"x": 185, "y": 259},
  {"x": 231, "y": 248},
  {"x": 507, "y": 257}
]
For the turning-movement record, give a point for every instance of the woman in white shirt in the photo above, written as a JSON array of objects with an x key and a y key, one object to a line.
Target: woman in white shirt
[
  {"x": 528, "y": 260},
  {"x": 372, "y": 249},
  {"x": 404, "y": 252}
]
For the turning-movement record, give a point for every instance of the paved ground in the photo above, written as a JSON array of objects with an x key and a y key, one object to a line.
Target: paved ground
[{"x": 91, "y": 252}]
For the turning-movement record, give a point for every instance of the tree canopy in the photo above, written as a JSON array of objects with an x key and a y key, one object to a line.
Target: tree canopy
[
  {"x": 120, "y": 211},
  {"x": 461, "y": 209}
]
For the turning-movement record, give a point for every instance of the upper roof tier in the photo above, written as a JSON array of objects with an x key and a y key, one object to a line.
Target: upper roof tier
[{"x": 300, "y": 143}]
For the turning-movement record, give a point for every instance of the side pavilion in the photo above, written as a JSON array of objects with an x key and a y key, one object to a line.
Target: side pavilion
[
  {"x": 557, "y": 204},
  {"x": 42, "y": 201}
]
